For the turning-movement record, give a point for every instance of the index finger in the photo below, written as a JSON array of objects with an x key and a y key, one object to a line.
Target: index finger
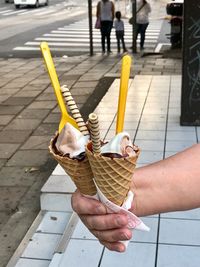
[{"x": 84, "y": 205}]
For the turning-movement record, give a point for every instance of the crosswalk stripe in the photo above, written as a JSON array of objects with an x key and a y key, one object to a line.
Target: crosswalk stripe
[{"x": 75, "y": 38}]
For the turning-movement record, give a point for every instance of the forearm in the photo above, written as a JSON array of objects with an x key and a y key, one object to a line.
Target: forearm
[{"x": 169, "y": 185}]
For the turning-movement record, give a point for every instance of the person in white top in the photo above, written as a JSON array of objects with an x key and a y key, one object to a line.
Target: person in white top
[
  {"x": 106, "y": 12},
  {"x": 119, "y": 30},
  {"x": 142, "y": 20}
]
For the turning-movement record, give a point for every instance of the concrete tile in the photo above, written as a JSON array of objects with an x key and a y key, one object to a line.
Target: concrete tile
[
  {"x": 147, "y": 237},
  {"x": 82, "y": 232},
  {"x": 54, "y": 222},
  {"x": 150, "y": 135},
  {"x": 151, "y": 145},
  {"x": 16, "y": 136},
  {"x": 7, "y": 150},
  {"x": 32, "y": 263},
  {"x": 181, "y": 135},
  {"x": 89, "y": 253},
  {"x": 59, "y": 183},
  {"x": 178, "y": 145},
  {"x": 178, "y": 256},
  {"x": 56, "y": 202},
  {"x": 193, "y": 214},
  {"x": 29, "y": 158},
  {"x": 41, "y": 246},
  {"x": 152, "y": 126},
  {"x": 142, "y": 253},
  {"x": 147, "y": 157},
  {"x": 171, "y": 232}
]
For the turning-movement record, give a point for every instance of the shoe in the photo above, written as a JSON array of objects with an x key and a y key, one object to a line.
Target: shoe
[{"x": 109, "y": 52}]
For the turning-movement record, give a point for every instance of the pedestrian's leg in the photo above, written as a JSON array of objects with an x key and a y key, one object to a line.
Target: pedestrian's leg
[
  {"x": 109, "y": 28},
  {"x": 118, "y": 42},
  {"x": 143, "y": 31},
  {"x": 123, "y": 44},
  {"x": 103, "y": 36}
]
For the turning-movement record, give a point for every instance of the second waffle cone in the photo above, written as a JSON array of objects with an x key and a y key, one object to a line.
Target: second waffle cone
[{"x": 112, "y": 175}]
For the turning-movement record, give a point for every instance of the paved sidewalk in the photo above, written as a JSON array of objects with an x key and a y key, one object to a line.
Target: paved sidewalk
[{"x": 29, "y": 116}]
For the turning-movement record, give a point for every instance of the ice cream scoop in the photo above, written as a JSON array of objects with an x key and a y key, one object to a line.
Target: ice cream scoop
[
  {"x": 119, "y": 146},
  {"x": 71, "y": 141}
]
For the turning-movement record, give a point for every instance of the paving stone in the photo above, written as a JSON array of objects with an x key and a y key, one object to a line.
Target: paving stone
[
  {"x": 46, "y": 129},
  {"x": 31, "y": 200},
  {"x": 53, "y": 118},
  {"x": 37, "y": 142},
  {"x": 23, "y": 124},
  {"x": 24, "y": 93},
  {"x": 8, "y": 203},
  {"x": 29, "y": 158},
  {"x": 2, "y": 162},
  {"x": 12, "y": 234},
  {"x": 3, "y": 98},
  {"x": 4, "y": 216},
  {"x": 18, "y": 176},
  {"x": 16, "y": 136},
  {"x": 5, "y": 119},
  {"x": 6, "y": 110},
  {"x": 43, "y": 105},
  {"x": 18, "y": 101},
  {"x": 85, "y": 84},
  {"x": 35, "y": 87},
  {"x": 82, "y": 91},
  {"x": 7, "y": 150},
  {"x": 33, "y": 114},
  {"x": 46, "y": 96},
  {"x": 9, "y": 91}
]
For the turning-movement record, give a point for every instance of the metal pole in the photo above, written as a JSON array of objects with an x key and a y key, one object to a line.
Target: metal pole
[
  {"x": 90, "y": 26},
  {"x": 134, "y": 44}
]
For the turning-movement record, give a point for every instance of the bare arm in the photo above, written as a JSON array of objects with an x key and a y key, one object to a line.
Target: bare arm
[
  {"x": 169, "y": 185},
  {"x": 98, "y": 11},
  {"x": 113, "y": 11}
]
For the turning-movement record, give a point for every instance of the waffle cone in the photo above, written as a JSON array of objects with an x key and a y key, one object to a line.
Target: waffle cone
[
  {"x": 112, "y": 175},
  {"x": 79, "y": 171}
]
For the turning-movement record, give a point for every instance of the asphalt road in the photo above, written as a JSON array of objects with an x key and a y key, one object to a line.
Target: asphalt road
[{"x": 20, "y": 26}]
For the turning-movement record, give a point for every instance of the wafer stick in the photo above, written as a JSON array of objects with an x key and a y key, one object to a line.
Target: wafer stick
[
  {"x": 93, "y": 124},
  {"x": 74, "y": 110}
]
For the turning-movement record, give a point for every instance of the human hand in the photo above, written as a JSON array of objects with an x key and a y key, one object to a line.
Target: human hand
[{"x": 109, "y": 229}]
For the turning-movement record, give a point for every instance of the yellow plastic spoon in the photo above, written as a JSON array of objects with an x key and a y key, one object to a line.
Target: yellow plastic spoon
[
  {"x": 65, "y": 117},
  {"x": 125, "y": 73}
]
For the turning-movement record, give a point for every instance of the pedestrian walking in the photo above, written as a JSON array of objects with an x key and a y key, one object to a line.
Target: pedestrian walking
[
  {"x": 142, "y": 20},
  {"x": 105, "y": 13},
  {"x": 119, "y": 30}
]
